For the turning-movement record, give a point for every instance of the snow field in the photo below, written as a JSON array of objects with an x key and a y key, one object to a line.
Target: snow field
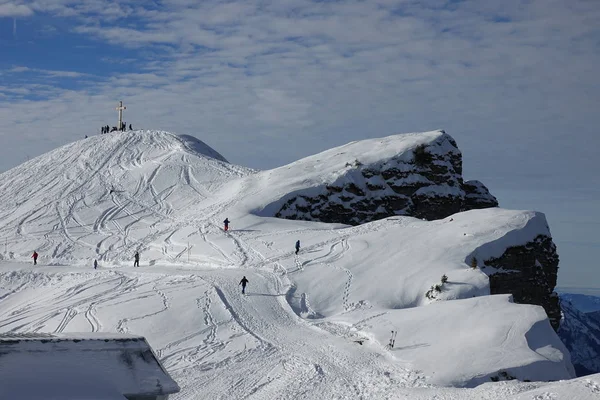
[{"x": 295, "y": 333}]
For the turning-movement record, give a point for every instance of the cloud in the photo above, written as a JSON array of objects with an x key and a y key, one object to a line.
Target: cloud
[
  {"x": 282, "y": 108},
  {"x": 47, "y": 73},
  {"x": 330, "y": 72},
  {"x": 15, "y": 10}
]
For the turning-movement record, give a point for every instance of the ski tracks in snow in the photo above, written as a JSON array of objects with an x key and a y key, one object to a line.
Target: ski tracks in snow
[
  {"x": 70, "y": 313},
  {"x": 90, "y": 315},
  {"x": 250, "y": 346},
  {"x": 292, "y": 359}
]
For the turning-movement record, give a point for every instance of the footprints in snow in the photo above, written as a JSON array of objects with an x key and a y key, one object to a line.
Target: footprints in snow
[
  {"x": 204, "y": 305},
  {"x": 346, "y": 294},
  {"x": 593, "y": 386}
]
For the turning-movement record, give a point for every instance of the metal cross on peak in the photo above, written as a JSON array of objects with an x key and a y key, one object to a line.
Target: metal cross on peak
[{"x": 120, "y": 110}]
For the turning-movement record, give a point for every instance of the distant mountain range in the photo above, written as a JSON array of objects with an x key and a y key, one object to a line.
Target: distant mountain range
[{"x": 580, "y": 331}]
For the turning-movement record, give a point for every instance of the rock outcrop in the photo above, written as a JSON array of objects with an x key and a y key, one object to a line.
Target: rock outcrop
[
  {"x": 529, "y": 273},
  {"x": 425, "y": 182},
  {"x": 477, "y": 196}
]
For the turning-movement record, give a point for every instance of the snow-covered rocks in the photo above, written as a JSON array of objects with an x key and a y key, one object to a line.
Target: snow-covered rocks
[{"x": 412, "y": 174}]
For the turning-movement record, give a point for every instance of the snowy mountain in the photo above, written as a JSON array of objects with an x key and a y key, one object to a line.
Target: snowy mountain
[
  {"x": 580, "y": 332},
  {"x": 594, "y": 315},
  {"x": 313, "y": 325},
  {"x": 584, "y": 303}
]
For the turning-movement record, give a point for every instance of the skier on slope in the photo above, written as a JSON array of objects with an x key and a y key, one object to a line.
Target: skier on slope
[
  {"x": 136, "y": 263},
  {"x": 34, "y": 256},
  {"x": 297, "y": 246},
  {"x": 95, "y": 264},
  {"x": 243, "y": 282},
  {"x": 226, "y": 223}
]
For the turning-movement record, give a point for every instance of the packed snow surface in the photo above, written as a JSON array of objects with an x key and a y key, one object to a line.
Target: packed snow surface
[{"x": 313, "y": 325}]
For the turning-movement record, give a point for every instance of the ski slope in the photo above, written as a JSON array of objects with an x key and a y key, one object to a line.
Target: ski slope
[
  {"x": 316, "y": 325},
  {"x": 107, "y": 195}
]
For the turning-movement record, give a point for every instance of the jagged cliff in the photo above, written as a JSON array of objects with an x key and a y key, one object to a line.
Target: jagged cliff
[{"x": 425, "y": 181}]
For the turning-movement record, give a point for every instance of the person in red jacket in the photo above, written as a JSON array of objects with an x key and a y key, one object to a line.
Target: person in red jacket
[{"x": 34, "y": 256}]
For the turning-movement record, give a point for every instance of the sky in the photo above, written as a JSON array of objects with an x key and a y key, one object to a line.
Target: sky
[{"x": 266, "y": 83}]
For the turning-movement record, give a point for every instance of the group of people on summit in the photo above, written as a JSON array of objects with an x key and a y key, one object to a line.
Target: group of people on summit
[{"x": 106, "y": 129}]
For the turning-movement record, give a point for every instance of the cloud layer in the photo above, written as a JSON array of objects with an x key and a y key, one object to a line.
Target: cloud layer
[{"x": 314, "y": 74}]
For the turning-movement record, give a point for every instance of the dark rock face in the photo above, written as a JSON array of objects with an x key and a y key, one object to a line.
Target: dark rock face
[
  {"x": 478, "y": 196},
  {"x": 529, "y": 273},
  {"x": 427, "y": 185}
]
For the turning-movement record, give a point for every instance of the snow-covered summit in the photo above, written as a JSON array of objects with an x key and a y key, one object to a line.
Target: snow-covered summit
[{"x": 91, "y": 193}]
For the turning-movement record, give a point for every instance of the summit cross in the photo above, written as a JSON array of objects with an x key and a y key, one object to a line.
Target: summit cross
[{"x": 120, "y": 110}]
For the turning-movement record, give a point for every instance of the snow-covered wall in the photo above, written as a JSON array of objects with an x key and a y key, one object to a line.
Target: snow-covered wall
[{"x": 69, "y": 366}]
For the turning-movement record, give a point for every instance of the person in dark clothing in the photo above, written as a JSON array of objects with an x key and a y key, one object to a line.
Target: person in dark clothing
[
  {"x": 136, "y": 263},
  {"x": 130, "y": 128},
  {"x": 34, "y": 256},
  {"x": 95, "y": 264},
  {"x": 226, "y": 223},
  {"x": 297, "y": 246},
  {"x": 243, "y": 282}
]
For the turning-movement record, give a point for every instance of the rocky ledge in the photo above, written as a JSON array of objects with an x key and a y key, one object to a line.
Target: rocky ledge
[{"x": 424, "y": 181}]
